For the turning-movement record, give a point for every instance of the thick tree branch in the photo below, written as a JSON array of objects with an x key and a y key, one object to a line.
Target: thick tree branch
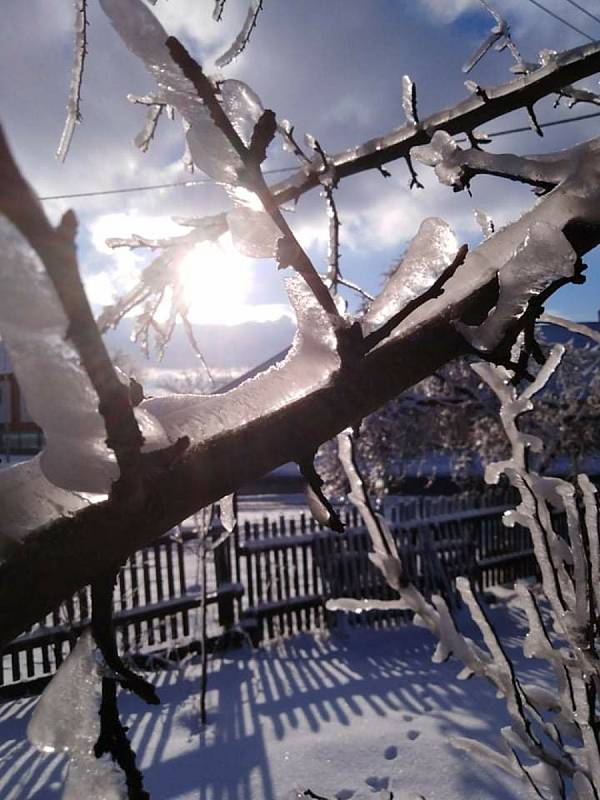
[{"x": 70, "y": 553}]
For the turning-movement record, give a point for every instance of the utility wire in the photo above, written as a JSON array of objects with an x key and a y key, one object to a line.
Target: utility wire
[
  {"x": 561, "y": 19},
  {"x": 584, "y": 10},
  {"x": 550, "y": 124},
  {"x": 205, "y": 181},
  {"x": 197, "y": 182}
]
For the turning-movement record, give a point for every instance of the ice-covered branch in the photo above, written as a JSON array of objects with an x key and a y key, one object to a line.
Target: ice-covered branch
[
  {"x": 250, "y": 177},
  {"x": 568, "y": 567},
  {"x": 74, "y": 101},
  {"x": 433, "y": 614},
  {"x": 246, "y": 433},
  {"x": 456, "y": 167},
  {"x": 573, "y": 327},
  {"x": 56, "y": 249},
  {"x": 241, "y": 40},
  {"x": 477, "y": 110}
]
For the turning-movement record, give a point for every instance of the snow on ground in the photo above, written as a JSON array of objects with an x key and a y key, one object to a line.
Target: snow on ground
[{"x": 347, "y": 715}]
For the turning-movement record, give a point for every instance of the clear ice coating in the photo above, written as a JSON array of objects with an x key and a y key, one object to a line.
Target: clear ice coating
[
  {"x": 485, "y": 222},
  {"x": 409, "y": 100},
  {"x": 66, "y": 718},
  {"x": 59, "y": 397},
  {"x": 438, "y": 154},
  {"x": 29, "y": 501},
  {"x": 94, "y": 779},
  {"x": 430, "y": 252},
  {"x": 544, "y": 257},
  {"x": 309, "y": 364},
  {"x": 241, "y": 39},
  {"x": 253, "y": 232},
  {"x": 58, "y": 393},
  {"x": 211, "y": 151},
  {"x": 227, "y": 512}
]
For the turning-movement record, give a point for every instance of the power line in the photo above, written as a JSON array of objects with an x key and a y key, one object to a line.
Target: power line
[
  {"x": 527, "y": 128},
  {"x": 205, "y": 181},
  {"x": 150, "y": 187},
  {"x": 561, "y": 19},
  {"x": 584, "y": 10}
]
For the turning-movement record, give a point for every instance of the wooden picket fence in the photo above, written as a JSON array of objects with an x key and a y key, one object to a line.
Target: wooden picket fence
[{"x": 272, "y": 576}]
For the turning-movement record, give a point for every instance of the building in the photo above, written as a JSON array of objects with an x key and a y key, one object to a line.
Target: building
[{"x": 19, "y": 435}]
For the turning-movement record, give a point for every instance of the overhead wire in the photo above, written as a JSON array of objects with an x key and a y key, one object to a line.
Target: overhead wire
[
  {"x": 583, "y": 10},
  {"x": 561, "y": 19},
  {"x": 151, "y": 187},
  {"x": 209, "y": 181}
]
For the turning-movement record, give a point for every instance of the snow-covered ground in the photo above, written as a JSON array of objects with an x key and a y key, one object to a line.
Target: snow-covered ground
[{"x": 347, "y": 715}]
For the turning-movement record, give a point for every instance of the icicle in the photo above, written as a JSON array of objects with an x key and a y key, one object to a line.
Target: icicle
[
  {"x": 145, "y": 136},
  {"x": 66, "y": 717},
  {"x": 227, "y": 512},
  {"x": 409, "y": 100}
]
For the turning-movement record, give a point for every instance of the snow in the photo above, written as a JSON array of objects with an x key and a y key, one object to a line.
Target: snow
[{"x": 346, "y": 715}]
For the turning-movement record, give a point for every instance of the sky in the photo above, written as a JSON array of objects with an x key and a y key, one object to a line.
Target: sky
[{"x": 334, "y": 70}]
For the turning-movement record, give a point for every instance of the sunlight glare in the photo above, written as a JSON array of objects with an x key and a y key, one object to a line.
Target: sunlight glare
[{"x": 216, "y": 281}]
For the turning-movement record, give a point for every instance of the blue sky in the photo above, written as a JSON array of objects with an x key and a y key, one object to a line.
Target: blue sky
[{"x": 334, "y": 69}]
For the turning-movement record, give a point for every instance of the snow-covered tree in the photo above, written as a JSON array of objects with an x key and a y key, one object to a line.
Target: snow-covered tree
[
  {"x": 452, "y": 417},
  {"x": 119, "y": 470}
]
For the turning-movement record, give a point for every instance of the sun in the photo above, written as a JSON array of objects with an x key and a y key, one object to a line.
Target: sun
[{"x": 216, "y": 282}]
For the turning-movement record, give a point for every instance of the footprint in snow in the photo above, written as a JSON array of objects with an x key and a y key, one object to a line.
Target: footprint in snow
[
  {"x": 412, "y": 735},
  {"x": 407, "y": 718},
  {"x": 377, "y": 784},
  {"x": 390, "y": 752},
  {"x": 345, "y": 794}
]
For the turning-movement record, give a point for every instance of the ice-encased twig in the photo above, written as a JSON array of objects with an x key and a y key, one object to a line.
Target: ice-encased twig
[
  {"x": 570, "y": 593},
  {"x": 145, "y": 136},
  {"x": 74, "y": 101},
  {"x": 493, "y": 665},
  {"x": 219, "y": 7},
  {"x": 241, "y": 40},
  {"x": 574, "y": 327}
]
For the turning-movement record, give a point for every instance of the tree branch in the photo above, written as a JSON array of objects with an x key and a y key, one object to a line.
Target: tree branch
[
  {"x": 477, "y": 110},
  {"x": 56, "y": 249}
]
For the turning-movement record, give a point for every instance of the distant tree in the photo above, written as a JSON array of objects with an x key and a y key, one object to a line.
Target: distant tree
[{"x": 452, "y": 417}]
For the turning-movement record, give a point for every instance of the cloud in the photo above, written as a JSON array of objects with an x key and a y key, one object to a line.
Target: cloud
[{"x": 335, "y": 73}]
